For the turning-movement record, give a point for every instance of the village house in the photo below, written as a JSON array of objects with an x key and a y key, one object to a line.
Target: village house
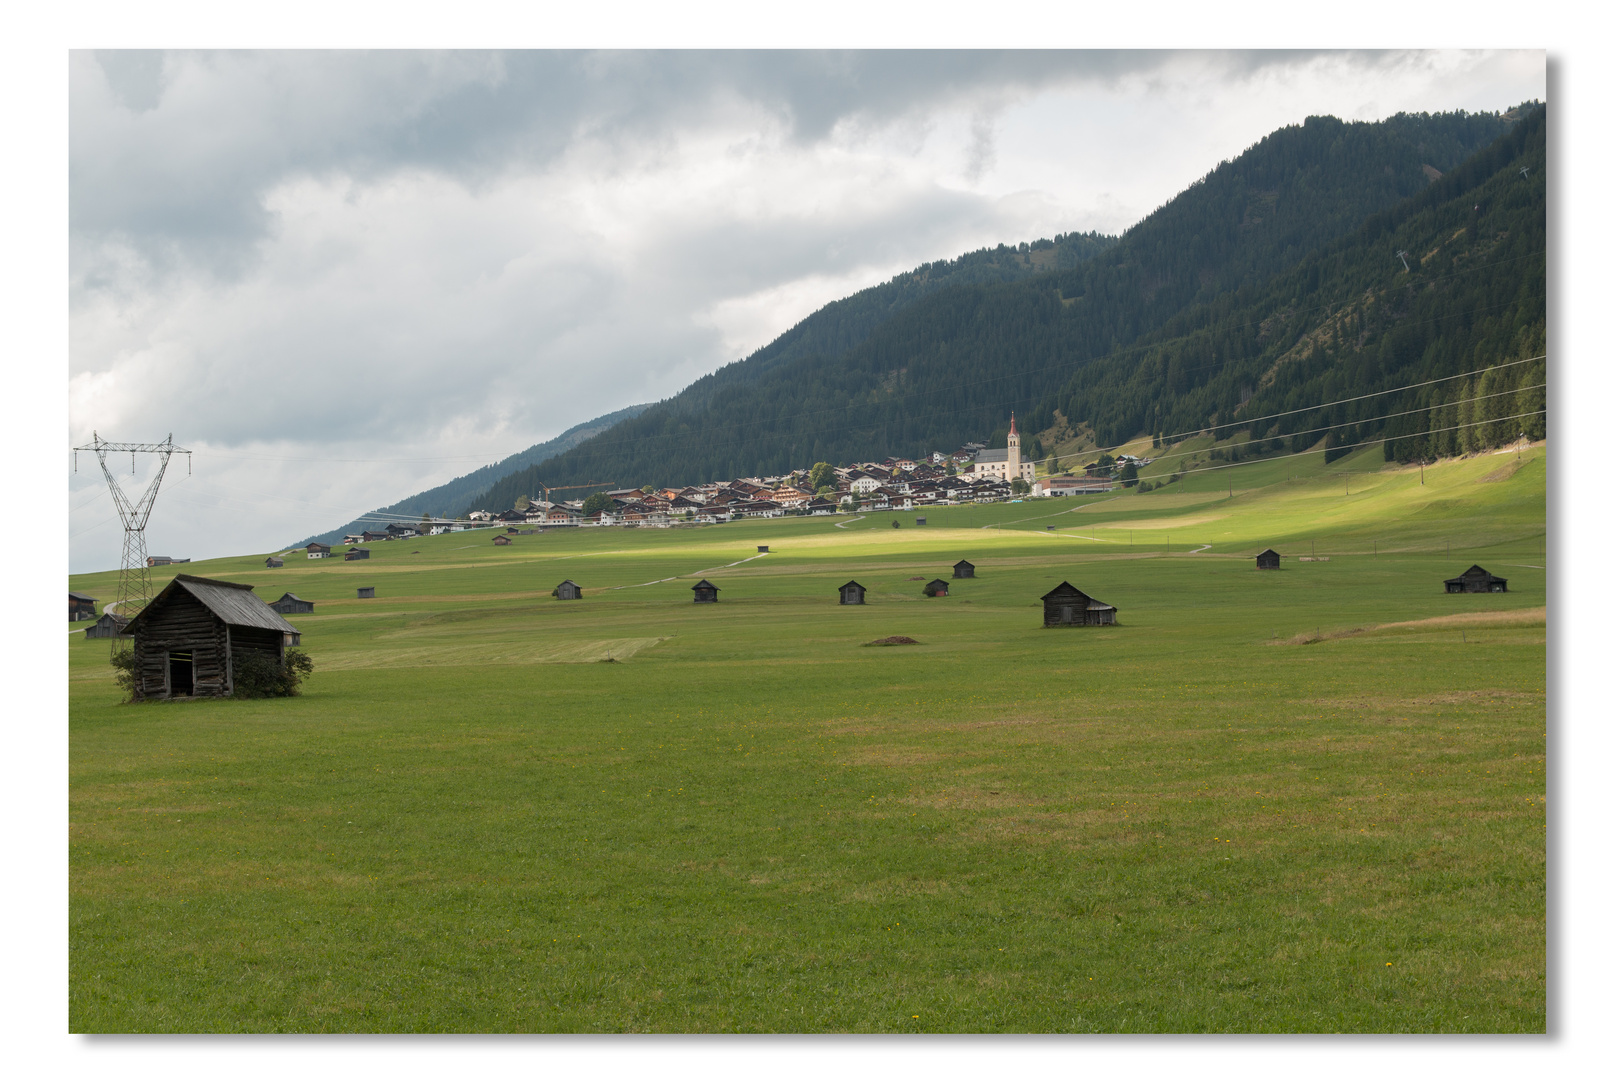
[
  {"x": 318, "y": 551},
  {"x": 1071, "y": 485}
]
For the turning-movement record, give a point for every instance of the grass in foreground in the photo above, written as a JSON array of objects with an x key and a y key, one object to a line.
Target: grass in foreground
[{"x": 749, "y": 821}]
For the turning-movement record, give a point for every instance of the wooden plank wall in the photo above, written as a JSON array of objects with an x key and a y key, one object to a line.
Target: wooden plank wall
[{"x": 182, "y": 624}]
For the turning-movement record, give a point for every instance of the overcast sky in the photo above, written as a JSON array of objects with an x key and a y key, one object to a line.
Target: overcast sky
[{"x": 341, "y": 278}]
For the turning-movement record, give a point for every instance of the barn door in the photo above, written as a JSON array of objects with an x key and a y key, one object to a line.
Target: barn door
[
  {"x": 1067, "y": 617},
  {"x": 181, "y": 681}
]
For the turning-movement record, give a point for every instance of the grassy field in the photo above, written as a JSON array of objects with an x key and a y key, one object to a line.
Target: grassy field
[{"x": 1303, "y": 800}]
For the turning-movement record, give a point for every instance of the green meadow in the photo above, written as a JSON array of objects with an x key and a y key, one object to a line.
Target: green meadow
[{"x": 1310, "y": 799}]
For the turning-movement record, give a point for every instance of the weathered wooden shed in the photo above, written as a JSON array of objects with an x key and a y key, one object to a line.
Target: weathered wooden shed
[
  {"x": 108, "y": 626},
  {"x": 1068, "y": 606},
  {"x": 1268, "y": 560},
  {"x": 292, "y": 605},
  {"x": 764, "y": 548},
  {"x": 704, "y": 593},
  {"x": 190, "y": 637},
  {"x": 922, "y": 521},
  {"x": 852, "y": 592},
  {"x": 568, "y": 590},
  {"x": 356, "y": 554},
  {"x": 1476, "y": 579},
  {"x": 963, "y": 569},
  {"x": 501, "y": 540},
  {"x": 937, "y": 587},
  {"x": 365, "y": 592},
  {"x": 81, "y": 606},
  {"x": 274, "y": 562}
]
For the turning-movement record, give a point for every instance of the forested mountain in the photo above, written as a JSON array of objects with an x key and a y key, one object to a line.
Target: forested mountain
[
  {"x": 449, "y": 498},
  {"x": 1209, "y": 288}
]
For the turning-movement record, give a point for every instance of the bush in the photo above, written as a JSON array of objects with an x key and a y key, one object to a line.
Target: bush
[
  {"x": 258, "y": 675},
  {"x": 123, "y": 662}
]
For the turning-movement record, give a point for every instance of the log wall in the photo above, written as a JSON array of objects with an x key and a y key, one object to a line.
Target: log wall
[{"x": 182, "y": 624}]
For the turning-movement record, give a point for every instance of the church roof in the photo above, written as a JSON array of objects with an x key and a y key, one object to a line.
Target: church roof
[{"x": 990, "y": 456}]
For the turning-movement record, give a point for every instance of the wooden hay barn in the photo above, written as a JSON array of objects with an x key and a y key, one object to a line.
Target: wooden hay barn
[
  {"x": 1068, "y": 606},
  {"x": 963, "y": 569},
  {"x": 922, "y": 521},
  {"x": 292, "y": 605},
  {"x": 81, "y": 606},
  {"x": 108, "y": 626},
  {"x": 764, "y": 548},
  {"x": 705, "y": 593},
  {"x": 365, "y": 592},
  {"x": 852, "y": 592},
  {"x": 501, "y": 540},
  {"x": 354, "y": 554},
  {"x": 937, "y": 587},
  {"x": 1476, "y": 579},
  {"x": 568, "y": 590},
  {"x": 273, "y": 562},
  {"x": 190, "y": 637},
  {"x": 1268, "y": 560}
]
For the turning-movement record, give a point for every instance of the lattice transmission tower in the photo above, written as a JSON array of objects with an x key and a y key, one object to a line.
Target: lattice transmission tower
[{"x": 134, "y": 578}]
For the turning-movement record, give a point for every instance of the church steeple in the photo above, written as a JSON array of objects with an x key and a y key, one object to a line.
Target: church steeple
[{"x": 1014, "y": 457}]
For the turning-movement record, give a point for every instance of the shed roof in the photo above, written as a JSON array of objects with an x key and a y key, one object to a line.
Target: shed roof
[
  {"x": 568, "y": 581},
  {"x": 847, "y": 584},
  {"x": 234, "y": 604},
  {"x": 938, "y": 581},
  {"x": 290, "y": 596},
  {"x": 1268, "y": 551},
  {"x": 704, "y": 584},
  {"x": 81, "y": 596},
  {"x": 1066, "y": 591},
  {"x": 963, "y": 562}
]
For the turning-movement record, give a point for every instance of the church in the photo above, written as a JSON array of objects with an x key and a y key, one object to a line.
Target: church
[{"x": 1008, "y": 464}]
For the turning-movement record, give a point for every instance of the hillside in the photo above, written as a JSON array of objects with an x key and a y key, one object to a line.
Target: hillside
[
  {"x": 949, "y": 367},
  {"x": 448, "y": 498}
]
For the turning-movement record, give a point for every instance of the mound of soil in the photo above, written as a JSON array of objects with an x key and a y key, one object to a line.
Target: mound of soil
[{"x": 897, "y": 640}]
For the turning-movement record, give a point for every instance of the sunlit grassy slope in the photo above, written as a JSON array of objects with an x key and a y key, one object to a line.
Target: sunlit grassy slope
[{"x": 1309, "y": 799}]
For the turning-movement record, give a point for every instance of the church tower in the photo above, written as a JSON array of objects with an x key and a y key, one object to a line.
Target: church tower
[{"x": 1015, "y": 467}]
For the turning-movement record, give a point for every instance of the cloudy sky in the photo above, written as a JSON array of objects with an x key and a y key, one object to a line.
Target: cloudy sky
[{"x": 341, "y": 278}]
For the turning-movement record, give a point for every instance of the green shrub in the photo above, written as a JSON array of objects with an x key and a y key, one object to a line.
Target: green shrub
[
  {"x": 258, "y": 675},
  {"x": 123, "y": 662}
]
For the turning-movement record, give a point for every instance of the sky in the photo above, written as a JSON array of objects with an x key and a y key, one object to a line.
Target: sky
[{"x": 339, "y": 278}]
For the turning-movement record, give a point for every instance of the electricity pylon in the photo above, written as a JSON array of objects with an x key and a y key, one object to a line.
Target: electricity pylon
[{"x": 134, "y": 578}]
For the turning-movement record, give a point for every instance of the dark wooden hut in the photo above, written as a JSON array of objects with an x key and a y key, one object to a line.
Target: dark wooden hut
[
  {"x": 937, "y": 587},
  {"x": 501, "y": 540},
  {"x": 81, "y": 606},
  {"x": 852, "y": 592},
  {"x": 355, "y": 554},
  {"x": 704, "y": 593},
  {"x": 273, "y": 562},
  {"x": 963, "y": 569},
  {"x": 922, "y": 521},
  {"x": 763, "y": 548},
  {"x": 190, "y": 637},
  {"x": 1268, "y": 560},
  {"x": 568, "y": 590},
  {"x": 365, "y": 592},
  {"x": 1476, "y": 579},
  {"x": 108, "y": 626},
  {"x": 292, "y": 605},
  {"x": 1068, "y": 606}
]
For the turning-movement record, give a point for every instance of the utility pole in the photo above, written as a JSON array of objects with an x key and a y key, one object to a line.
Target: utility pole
[{"x": 134, "y": 578}]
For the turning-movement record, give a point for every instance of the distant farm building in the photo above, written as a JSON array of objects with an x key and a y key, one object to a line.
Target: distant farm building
[
  {"x": 1068, "y": 606},
  {"x": 365, "y": 592},
  {"x": 1476, "y": 579},
  {"x": 503, "y": 541},
  {"x": 852, "y": 592},
  {"x": 763, "y": 548},
  {"x": 937, "y": 587},
  {"x": 164, "y": 560},
  {"x": 273, "y": 562},
  {"x": 922, "y": 521},
  {"x": 568, "y": 590},
  {"x": 963, "y": 569},
  {"x": 292, "y": 605},
  {"x": 81, "y": 606},
  {"x": 189, "y": 639},
  {"x": 1268, "y": 560},
  {"x": 704, "y": 593},
  {"x": 318, "y": 551},
  {"x": 108, "y": 626},
  {"x": 354, "y": 554}
]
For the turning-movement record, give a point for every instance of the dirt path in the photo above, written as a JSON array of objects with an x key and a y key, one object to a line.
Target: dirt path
[{"x": 694, "y": 573}]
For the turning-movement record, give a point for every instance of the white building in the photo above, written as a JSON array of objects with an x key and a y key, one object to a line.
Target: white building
[{"x": 1008, "y": 464}]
